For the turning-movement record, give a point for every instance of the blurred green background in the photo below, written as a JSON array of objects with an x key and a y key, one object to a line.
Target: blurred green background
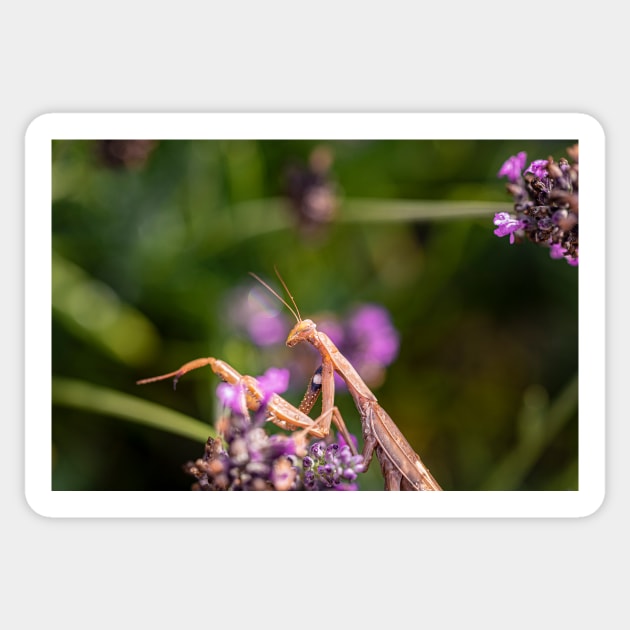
[{"x": 152, "y": 245}]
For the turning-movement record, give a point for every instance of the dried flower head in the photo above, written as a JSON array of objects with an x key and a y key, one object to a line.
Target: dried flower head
[
  {"x": 126, "y": 154},
  {"x": 312, "y": 192}
]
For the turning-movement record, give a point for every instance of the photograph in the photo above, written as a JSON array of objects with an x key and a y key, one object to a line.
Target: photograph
[{"x": 433, "y": 283}]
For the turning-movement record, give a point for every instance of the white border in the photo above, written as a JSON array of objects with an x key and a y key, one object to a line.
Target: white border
[{"x": 584, "y": 128}]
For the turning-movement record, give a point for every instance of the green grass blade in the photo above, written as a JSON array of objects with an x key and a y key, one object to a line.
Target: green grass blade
[{"x": 101, "y": 400}]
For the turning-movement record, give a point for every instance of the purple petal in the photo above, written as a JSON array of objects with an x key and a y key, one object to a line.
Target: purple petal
[
  {"x": 538, "y": 168},
  {"x": 373, "y": 334},
  {"x": 507, "y": 225},
  {"x": 232, "y": 396},
  {"x": 274, "y": 381},
  {"x": 333, "y": 329},
  {"x": 266, "y": 330},
  {"x": 281, "y": 445},
  {"x": 513, "y": 166},
  {"x": 342, "y": 442}
]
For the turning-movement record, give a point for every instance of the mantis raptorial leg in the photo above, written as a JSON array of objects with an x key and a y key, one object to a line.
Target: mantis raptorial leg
[
  {"x": 401, "y": 465},
  {"x": 279, "y": 411}
]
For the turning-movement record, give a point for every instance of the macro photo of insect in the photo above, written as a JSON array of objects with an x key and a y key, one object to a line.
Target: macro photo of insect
[{"x": 313, "y": 315}]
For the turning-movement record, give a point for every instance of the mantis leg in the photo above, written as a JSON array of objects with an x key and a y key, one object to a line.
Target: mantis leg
[{"x": 323, "y": 382}]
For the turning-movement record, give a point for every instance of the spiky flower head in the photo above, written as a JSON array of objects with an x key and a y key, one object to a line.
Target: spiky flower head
[
  {"x": 546, "y": 205},
  {"x": 331, "y": 467},
  {"x": 249, "y": 458}
]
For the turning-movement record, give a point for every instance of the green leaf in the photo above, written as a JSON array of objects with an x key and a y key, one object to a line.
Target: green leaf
[{"x": 101, "y": 400}]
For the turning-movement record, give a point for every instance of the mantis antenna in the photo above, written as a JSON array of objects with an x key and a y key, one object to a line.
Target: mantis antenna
[{"x": 295, "y": 312}]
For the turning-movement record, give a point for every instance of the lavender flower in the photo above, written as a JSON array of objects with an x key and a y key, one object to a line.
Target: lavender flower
[
  {"x": 507, "y": 225},
  {"x": 538, "y": 168},
  {"x": 266, "y": 329},
  {"x": 368, "y": 339},
  {"x": 370, "y": 330},
  {"x": 232, "y": 397},
  {"x": 251, "y": 459},
  {"x": 513, "y": 166},
  {"x": 331, "y": 467},
  {"x": 546, "y": 204},
  {"x": 248, "y": 458},
  {"x": 273, "y": 381},
  {"x": 258, "y": 315}
]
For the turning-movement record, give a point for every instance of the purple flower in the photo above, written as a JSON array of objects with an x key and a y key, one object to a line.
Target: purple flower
[
  {"x": 318, "y": 449},
  {"x": 558, "y": 251},
  {"x": 282, "y": 445},
  {"x": 368, "y": 339},
  {"x": 546, "y": 205},
  {"x": 250, "y": 460},
  {"x": 538, "y": 168},
  {"x": 371, "y": 330},
  {"x": 273, "y": 381},
  {"x": 342, "y": 442},
  {"x": 513, "y": 166},
  {"x": 266, "y": 330},
  {"x": 232, "y": 397},
  {"x": 253, "y": 312},
  {"x": 331, "y": 467},
  {"x": 333, "y": 329},
  {"x": 506, "y": 224}
]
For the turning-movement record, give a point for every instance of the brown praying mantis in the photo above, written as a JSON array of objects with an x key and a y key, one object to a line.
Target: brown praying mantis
[{"x": 401, "y": 466}]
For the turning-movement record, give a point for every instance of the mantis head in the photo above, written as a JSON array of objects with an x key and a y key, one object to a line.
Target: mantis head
[
  {"x": 305, "y": 329},
  {"x": 302, "y": 331}
]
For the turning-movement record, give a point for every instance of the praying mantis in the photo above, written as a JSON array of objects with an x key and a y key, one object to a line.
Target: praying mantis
[{"x": 401, "y": 466}]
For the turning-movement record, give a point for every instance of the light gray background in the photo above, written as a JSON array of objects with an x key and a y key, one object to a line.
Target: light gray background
[{"x": 275, "y": 56}]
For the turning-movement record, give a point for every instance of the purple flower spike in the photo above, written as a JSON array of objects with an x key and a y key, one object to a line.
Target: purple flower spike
[
  {"x": 513, "y": 166},
  {"x": 538, "y": 168},
  {"x": 546, "y": 204},
  {"x": 506, "y": 224}
]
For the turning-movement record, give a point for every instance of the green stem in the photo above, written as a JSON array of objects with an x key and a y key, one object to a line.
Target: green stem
[
  {"x": 394, "y": 210},
  {"x": 101, "y": 400},
  {"x": 250, "y": 219}
]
